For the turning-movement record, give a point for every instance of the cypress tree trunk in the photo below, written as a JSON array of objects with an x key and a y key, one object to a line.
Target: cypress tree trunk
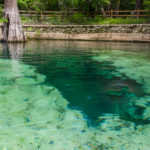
[{"x": 12, "y": 28}]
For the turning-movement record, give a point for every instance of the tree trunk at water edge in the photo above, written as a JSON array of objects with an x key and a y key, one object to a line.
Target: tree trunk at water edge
[{"x": 12, "y": 28}]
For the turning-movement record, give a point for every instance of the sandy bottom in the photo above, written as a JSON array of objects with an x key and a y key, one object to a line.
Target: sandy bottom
[{"x": 35, "y": 116}]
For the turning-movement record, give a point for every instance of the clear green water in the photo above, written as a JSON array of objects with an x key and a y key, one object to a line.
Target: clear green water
[
  {"x": 38, "y": 79},
  {"x": 85, "y": 83}
]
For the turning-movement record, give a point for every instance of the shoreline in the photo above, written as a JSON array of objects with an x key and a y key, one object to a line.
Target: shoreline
[
  {"x": 120, "y": 32},
  {"x": 119, "y": 37}
]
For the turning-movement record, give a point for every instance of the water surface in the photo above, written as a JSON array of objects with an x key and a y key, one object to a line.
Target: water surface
[
  {"x": 85, "y": 83},
  {"x": 106, "y": 85}
]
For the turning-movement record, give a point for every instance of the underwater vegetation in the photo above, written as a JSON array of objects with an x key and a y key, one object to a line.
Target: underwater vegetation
[{"x": 35, "y": 116}]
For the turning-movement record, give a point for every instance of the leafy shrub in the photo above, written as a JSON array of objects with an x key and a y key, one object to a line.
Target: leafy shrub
[
  {"x": 123, "y": 21},
  {"x": 78, "y": 17},
  {"x": 29, "y": 29},
  {"x": 98, "y": 18},
  {"x": 1, "y": 11}
]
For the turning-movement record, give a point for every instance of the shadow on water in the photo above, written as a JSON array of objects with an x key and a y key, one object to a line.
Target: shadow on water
[{"x": 88, "y": 85}]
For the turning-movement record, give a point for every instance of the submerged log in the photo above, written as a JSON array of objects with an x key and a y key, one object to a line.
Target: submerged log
[{"x": 12, "y": 29}]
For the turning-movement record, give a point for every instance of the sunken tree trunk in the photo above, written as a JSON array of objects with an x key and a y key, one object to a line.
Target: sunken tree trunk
[{"x": 12, "y": 28}]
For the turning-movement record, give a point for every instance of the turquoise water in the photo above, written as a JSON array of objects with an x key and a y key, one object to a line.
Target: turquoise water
[
  {"x": 95, "y": 90},
  {"x": 85, "y": 83}
]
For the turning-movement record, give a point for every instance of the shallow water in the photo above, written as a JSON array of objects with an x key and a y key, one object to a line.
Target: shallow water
[
  {"x": 96, "y": 78},
  {"x": 83, "y": 82}
]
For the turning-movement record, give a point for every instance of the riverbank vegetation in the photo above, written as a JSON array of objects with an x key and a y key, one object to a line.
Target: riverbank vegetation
[
  {"x": 82, "y": 5},
  {"x": 82, "y": 11}
]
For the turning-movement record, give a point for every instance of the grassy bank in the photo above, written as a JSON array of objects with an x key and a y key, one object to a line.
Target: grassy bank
[
  {"x": 80, "y": 19},
  {"x": 86, "y": 21},
  {"x": 123, "y": 21}
]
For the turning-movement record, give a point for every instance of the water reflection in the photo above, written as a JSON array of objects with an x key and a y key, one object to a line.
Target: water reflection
[
  {"x": 48, "y": 46},
  {"x": 13, "y": 50}
]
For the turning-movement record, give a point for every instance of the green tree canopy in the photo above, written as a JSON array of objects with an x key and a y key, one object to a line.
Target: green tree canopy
[{"x": 80, "y": 5}]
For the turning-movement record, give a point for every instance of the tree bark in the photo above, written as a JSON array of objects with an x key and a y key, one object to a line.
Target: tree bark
[
  {"x": 117, "y": 7},
  {"x": 138, "y": 4},
  {"x": 12, "y": 28}
]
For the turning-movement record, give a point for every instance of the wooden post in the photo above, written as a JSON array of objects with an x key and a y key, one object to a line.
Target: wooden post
[
  {"x": 138, "y": 14},
  {"x": 111, "y": 13},
  {"x": 117, "y": 13},
  {"x": 41, "y": 15}
]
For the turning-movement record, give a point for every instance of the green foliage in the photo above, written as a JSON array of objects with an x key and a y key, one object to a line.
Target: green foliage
[
  {"x": 1, "y": 10},
  {"x": 146, "y": 4},
  {"x": 38, "y": 5},
  {"x": 38, "y": 31},
  {"x": 81, "y": 19},
  {"x": 98, "y": 18},
  {"x": 87, "y": 8},
  {"x": 78, "y": 18},
  {"x": 29, "y": 29},
  {"x": 80, "y": 5},
  {"x": 23, "y": 4},
  {"x": 122, "y": 21}
]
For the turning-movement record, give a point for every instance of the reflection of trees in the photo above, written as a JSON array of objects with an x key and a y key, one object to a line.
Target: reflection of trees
[
  {"x": 13, "y": 50},
  {"x": 47, "y": 47}
]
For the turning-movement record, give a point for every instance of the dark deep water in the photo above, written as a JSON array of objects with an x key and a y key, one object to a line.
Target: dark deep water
[{"x": 88, "y": 85}]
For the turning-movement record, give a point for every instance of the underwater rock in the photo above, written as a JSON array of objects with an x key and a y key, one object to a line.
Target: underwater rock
[
  {"x": 116, "y": 88},
  {"x": 117, "y": 85},
  {"x": 123, "y": 86},
  {"x": 114, "y": 123},
  {"x": 140, "y": 108}
]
